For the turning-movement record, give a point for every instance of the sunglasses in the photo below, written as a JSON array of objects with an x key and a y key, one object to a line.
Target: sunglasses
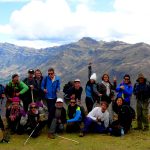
[
  {"x": 127, "y": 79},
  {"x": 33, "y": 107},
  {"x": 51, "y": 73},
  {"x": 72, "y": 102}
]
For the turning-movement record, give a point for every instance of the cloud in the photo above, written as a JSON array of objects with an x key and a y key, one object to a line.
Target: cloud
[
  {"x": 5, "y": 29},
  {"x": 11, "y": 1},
  {"x": 55, "y": 21}
]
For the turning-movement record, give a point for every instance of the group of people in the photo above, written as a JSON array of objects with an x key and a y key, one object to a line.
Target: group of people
[{"x": 31, "y": 104}]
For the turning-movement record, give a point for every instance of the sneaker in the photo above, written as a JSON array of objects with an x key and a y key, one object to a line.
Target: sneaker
[
  {"x": 81, "y": 134},
  {"x": 51, "y": 136}
]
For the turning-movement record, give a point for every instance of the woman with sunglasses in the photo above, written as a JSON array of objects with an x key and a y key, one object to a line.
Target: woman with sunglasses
[
  {"x": 74, "y": 117},
  {"x": 33, "y": 121},
  {"x": 125, "y": 89}
]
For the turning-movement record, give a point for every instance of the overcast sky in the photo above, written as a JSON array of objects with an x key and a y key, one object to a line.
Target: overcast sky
[{"x": 45, "y": 23}]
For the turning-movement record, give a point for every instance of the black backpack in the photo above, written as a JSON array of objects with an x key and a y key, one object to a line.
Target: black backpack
[{"x": 67, "y": 86}]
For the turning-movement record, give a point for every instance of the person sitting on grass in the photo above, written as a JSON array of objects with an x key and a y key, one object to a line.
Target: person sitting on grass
[
  {"x": 125, "y": 115},
  {"x": 97, "y": 120},
  {"x": 57, "y": 118},
  {"x": 74, "y": 117}
]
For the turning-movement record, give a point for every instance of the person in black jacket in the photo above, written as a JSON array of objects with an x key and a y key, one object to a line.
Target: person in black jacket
[
  {"x": 29, "y": 95},
  {"x": 142, "y": 92},
  {"x": 34, "y": 121},
  {"x": 125, "y": 115},
  {"x": 75, "y": 92},
  {"x": 57, "y": 118},
  {"x": 106, "y": 90},
  {"x": 38, "y": 92}
]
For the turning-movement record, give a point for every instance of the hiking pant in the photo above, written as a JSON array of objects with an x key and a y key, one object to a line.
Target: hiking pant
[
  {"x": 37, "y": 129},
  {"x": 50, "y": 106},
  {"x": 111, "y": 112},
  {"x": 3, "y": 106},
  {"x": 1, "y": 124},
  {"x": 73, "y": 127},
  {"x": 142, "y": 114},
  {"x": 56, "y": 127},
  {"x": 89, "y": 103},
  {"x": 92, "y": 126}
]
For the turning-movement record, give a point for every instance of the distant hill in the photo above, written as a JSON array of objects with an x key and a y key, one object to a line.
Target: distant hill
[{"x": 71, "y": 60}]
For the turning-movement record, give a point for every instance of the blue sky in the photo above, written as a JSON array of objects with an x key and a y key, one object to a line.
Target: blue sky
[
  {"x": 44, "y": 23},
  {"x": 6, "y": 10}
]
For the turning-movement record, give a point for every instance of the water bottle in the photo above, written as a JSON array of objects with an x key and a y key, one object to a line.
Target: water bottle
[{"x": 122, "y": 131}]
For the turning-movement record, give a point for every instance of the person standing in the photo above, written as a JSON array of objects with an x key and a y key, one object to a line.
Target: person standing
[
  {"x": 142, "y": 92},
  {"x": 125, "y": 90},
  {"x": 29, "y": 95},
  {"x": 50, "y": 86},
  {"x": 39, "y": 94},
  {"x": 92, "y": 94},
  {"x": 75, "y": 91},
  {"x": 106, "y": 90}
]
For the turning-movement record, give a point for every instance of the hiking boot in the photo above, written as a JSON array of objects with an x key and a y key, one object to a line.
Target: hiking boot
[
  {"x": 81, "y": 134},
  {"x": 4, "y": 141},
  {"x": 146, "y": 129},
  {"x": 137, "y": 128},
  {"x": 51, "y": 135}
]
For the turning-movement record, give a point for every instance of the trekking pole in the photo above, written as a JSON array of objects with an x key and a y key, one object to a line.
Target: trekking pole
[
  {"x": 30, "y": 134},
  {"x": 67, "y": 139},
  {"x": 32, "y": 95}
]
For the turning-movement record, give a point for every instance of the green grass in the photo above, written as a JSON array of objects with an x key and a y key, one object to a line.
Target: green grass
[{"x": 135, "y": 140}]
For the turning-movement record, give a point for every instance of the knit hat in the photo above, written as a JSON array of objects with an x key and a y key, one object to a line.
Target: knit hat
[
  {"x": 59, "y": 100},
  {"x": 93, "y": 77},
  {"x": 33, "y": 104},
  {"x": 15, "y": 99},
  {"x": 141, "y": 76}
]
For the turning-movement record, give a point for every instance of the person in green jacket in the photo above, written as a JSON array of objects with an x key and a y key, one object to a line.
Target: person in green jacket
[{"x": 15, "y": 88}]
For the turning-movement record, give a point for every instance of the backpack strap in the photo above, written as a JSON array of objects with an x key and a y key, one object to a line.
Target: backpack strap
[{"x": 45, "y": 82}]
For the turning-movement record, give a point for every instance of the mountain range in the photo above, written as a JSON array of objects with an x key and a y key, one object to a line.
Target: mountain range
[{"x": 71, "y": 60}]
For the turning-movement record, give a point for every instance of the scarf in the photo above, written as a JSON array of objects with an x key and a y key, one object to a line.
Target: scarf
[
  {"x": 14, "y": 113},
  {"x": 107, "y": 85}
]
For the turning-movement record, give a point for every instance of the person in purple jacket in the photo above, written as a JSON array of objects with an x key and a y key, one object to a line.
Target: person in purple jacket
[{"x": 125, "y": 89}]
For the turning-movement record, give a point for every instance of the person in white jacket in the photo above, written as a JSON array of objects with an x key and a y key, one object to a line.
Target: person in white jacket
[{"x": 97, "y": 120}]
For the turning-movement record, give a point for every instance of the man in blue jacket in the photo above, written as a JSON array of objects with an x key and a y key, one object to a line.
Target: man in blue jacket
[{"x": 51, "y": 86}]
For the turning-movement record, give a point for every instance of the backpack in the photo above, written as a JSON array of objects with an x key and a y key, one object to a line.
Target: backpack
[
  {"x": 132, "y": 112},
  {"x": 67, "y": 86}
]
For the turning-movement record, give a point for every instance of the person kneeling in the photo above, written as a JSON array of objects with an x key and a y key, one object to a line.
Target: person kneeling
[
  {"x": 57, "y": 118},
  {"x": 97, "y": 120},
  {"x": 125, "y": 115},
  {"x": 34, "y": 124},
  {"x": 74, "y": 117}
]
